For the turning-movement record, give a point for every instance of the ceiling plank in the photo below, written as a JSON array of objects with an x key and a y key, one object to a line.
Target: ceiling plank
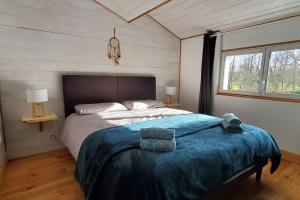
[
  {"x": 130, "y": 10},
  {"x": 152, "y": 9}
]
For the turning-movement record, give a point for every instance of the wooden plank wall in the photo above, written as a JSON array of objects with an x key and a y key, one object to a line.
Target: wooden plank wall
[{"x": 42, "y": 39}]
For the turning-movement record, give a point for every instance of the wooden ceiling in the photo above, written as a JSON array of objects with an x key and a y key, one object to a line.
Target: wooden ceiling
[
  {"x": 186, "y": 18},
  {"x": 131, "y": 9}
]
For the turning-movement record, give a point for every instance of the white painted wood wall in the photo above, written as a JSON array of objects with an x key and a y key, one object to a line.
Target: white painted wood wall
[
  {"x": 190, "y": 72},
  {"x": 42, "y": 39}
]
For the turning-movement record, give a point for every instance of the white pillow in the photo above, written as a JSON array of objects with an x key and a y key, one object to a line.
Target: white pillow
[
  {"x": 85, "y": 109},
  {"x": 143, "y": 104}
]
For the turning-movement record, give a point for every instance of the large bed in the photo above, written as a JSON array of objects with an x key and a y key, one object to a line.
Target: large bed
[{"x": 111, "y": 165}]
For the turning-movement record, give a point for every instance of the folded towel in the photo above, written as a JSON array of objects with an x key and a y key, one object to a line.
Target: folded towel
[
  {"x": 234, "y": 129},
  {"x": 157, "y": 133},
  {"x": 229, "y": 126},
  {"x": 231, "y": 123},
  {"x": 230, "y": 120},
  {"x": 159, "y": 145}
]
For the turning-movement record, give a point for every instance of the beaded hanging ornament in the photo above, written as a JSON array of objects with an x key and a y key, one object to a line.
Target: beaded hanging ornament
[{"x": 114, "y": 51}]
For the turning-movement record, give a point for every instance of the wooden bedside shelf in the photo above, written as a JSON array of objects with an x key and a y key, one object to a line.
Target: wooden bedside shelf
[
  {"x": 173, "y": 105},
  {"x": 40, "y": 120}
]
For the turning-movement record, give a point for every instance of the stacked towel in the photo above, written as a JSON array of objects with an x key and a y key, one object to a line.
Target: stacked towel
[
  {"x": 231, "y": 123},
  {"x": 157, "y": 139},
  {"x": 157, "y": 133},
  {"x": 158, "y": 145}
]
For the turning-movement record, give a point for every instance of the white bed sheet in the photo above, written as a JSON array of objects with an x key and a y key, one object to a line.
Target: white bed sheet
[{"x": 78, "y": 127}]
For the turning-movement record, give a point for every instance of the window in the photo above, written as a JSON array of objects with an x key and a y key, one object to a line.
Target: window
[
  {"x": 270, "y": 71},
  {"x": 242, "y": 72},
  {"x": 284, "y": 72}
]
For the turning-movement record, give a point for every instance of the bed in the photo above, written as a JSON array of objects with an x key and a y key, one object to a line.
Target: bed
[{"x": 110, "y": 164}]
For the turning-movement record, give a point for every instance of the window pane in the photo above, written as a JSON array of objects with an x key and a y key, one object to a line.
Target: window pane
[
  {"x": 284, "y": 72},
  {"x": 242, "y": 72}
]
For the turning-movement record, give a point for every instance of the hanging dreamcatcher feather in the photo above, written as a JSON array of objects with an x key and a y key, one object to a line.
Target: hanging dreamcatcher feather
[{"x": 114, "y": 50}]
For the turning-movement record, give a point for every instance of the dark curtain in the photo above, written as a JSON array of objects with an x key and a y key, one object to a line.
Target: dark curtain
[{"x": 205, "y": 96}]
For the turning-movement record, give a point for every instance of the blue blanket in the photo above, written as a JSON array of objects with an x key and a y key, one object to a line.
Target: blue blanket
[{"x": 111, "y": 165}]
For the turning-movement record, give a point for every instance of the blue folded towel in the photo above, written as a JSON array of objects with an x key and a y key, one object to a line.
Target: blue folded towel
[
  {"x": 235, "y": 129},
  {"x": 230, "y": 120},
  {"x": 159, "y": 145},
  {"x": 231, "y": 123},
  {"x": 157, "y": 133}
]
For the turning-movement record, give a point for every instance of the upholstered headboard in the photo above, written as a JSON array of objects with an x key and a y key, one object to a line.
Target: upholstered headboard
[{"x": 84, "y": 89}]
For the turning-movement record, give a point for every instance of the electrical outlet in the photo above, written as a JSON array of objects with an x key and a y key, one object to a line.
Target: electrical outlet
[{"x": 51, "y": 135}]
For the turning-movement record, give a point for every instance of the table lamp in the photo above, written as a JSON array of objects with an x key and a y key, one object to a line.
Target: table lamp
[
  {"x": 170, "y": 91},
  {"x": 37, "y": 98}
]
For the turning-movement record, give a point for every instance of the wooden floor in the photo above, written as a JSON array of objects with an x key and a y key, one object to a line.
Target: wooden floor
[{"x": 49, "y": 176}]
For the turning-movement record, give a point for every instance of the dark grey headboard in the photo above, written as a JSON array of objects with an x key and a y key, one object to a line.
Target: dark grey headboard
[{"x": 84, "y": 89}]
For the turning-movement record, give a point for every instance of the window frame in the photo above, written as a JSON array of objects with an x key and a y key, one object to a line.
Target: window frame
[
  {"x": 266, "y": 55},
  {"x": 240, "y": 52},
  {"x": 269, "y": 51}
]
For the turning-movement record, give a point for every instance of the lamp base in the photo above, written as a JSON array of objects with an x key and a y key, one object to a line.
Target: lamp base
[
  {"x": 168, "y": 99},
  {"x": 38, "y": 110}
]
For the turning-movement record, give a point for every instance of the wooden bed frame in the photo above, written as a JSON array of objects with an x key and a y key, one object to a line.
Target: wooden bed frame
[{"x": 84, "y": 89}]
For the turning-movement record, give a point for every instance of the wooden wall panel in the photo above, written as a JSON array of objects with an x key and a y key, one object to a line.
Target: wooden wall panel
[{"x": 41, "y": 40}]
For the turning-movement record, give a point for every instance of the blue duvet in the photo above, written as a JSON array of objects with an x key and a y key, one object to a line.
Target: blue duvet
[{"x": 111, "y": 165}]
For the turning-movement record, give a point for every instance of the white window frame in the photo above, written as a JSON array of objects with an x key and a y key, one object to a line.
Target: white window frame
[
  {"x": 240, "y": 52},
  {"x": 269, "y": 50},
  {"x": 266, "y": 54}
]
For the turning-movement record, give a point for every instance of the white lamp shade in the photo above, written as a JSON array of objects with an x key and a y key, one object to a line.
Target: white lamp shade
[
  {"x": 37, "y": 96},
  {"x": 170, "y": 90}
]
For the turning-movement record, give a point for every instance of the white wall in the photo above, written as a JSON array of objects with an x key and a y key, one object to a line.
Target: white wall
[
  {"x": 190, "y": 73},
  {"x": 280, "y": 31},
  {"x": 40, "y": 40},
  {"x": 279, "y": 118}
]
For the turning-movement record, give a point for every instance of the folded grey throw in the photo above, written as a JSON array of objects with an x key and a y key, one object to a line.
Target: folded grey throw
[
  {"x": 231, "y": 123},
  {"x": 157, "y": 133},
  {"x": 159, "y": 145}
]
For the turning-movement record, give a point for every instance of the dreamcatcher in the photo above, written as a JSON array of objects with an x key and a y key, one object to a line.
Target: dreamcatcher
[{"x": 114, "y": 51}]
